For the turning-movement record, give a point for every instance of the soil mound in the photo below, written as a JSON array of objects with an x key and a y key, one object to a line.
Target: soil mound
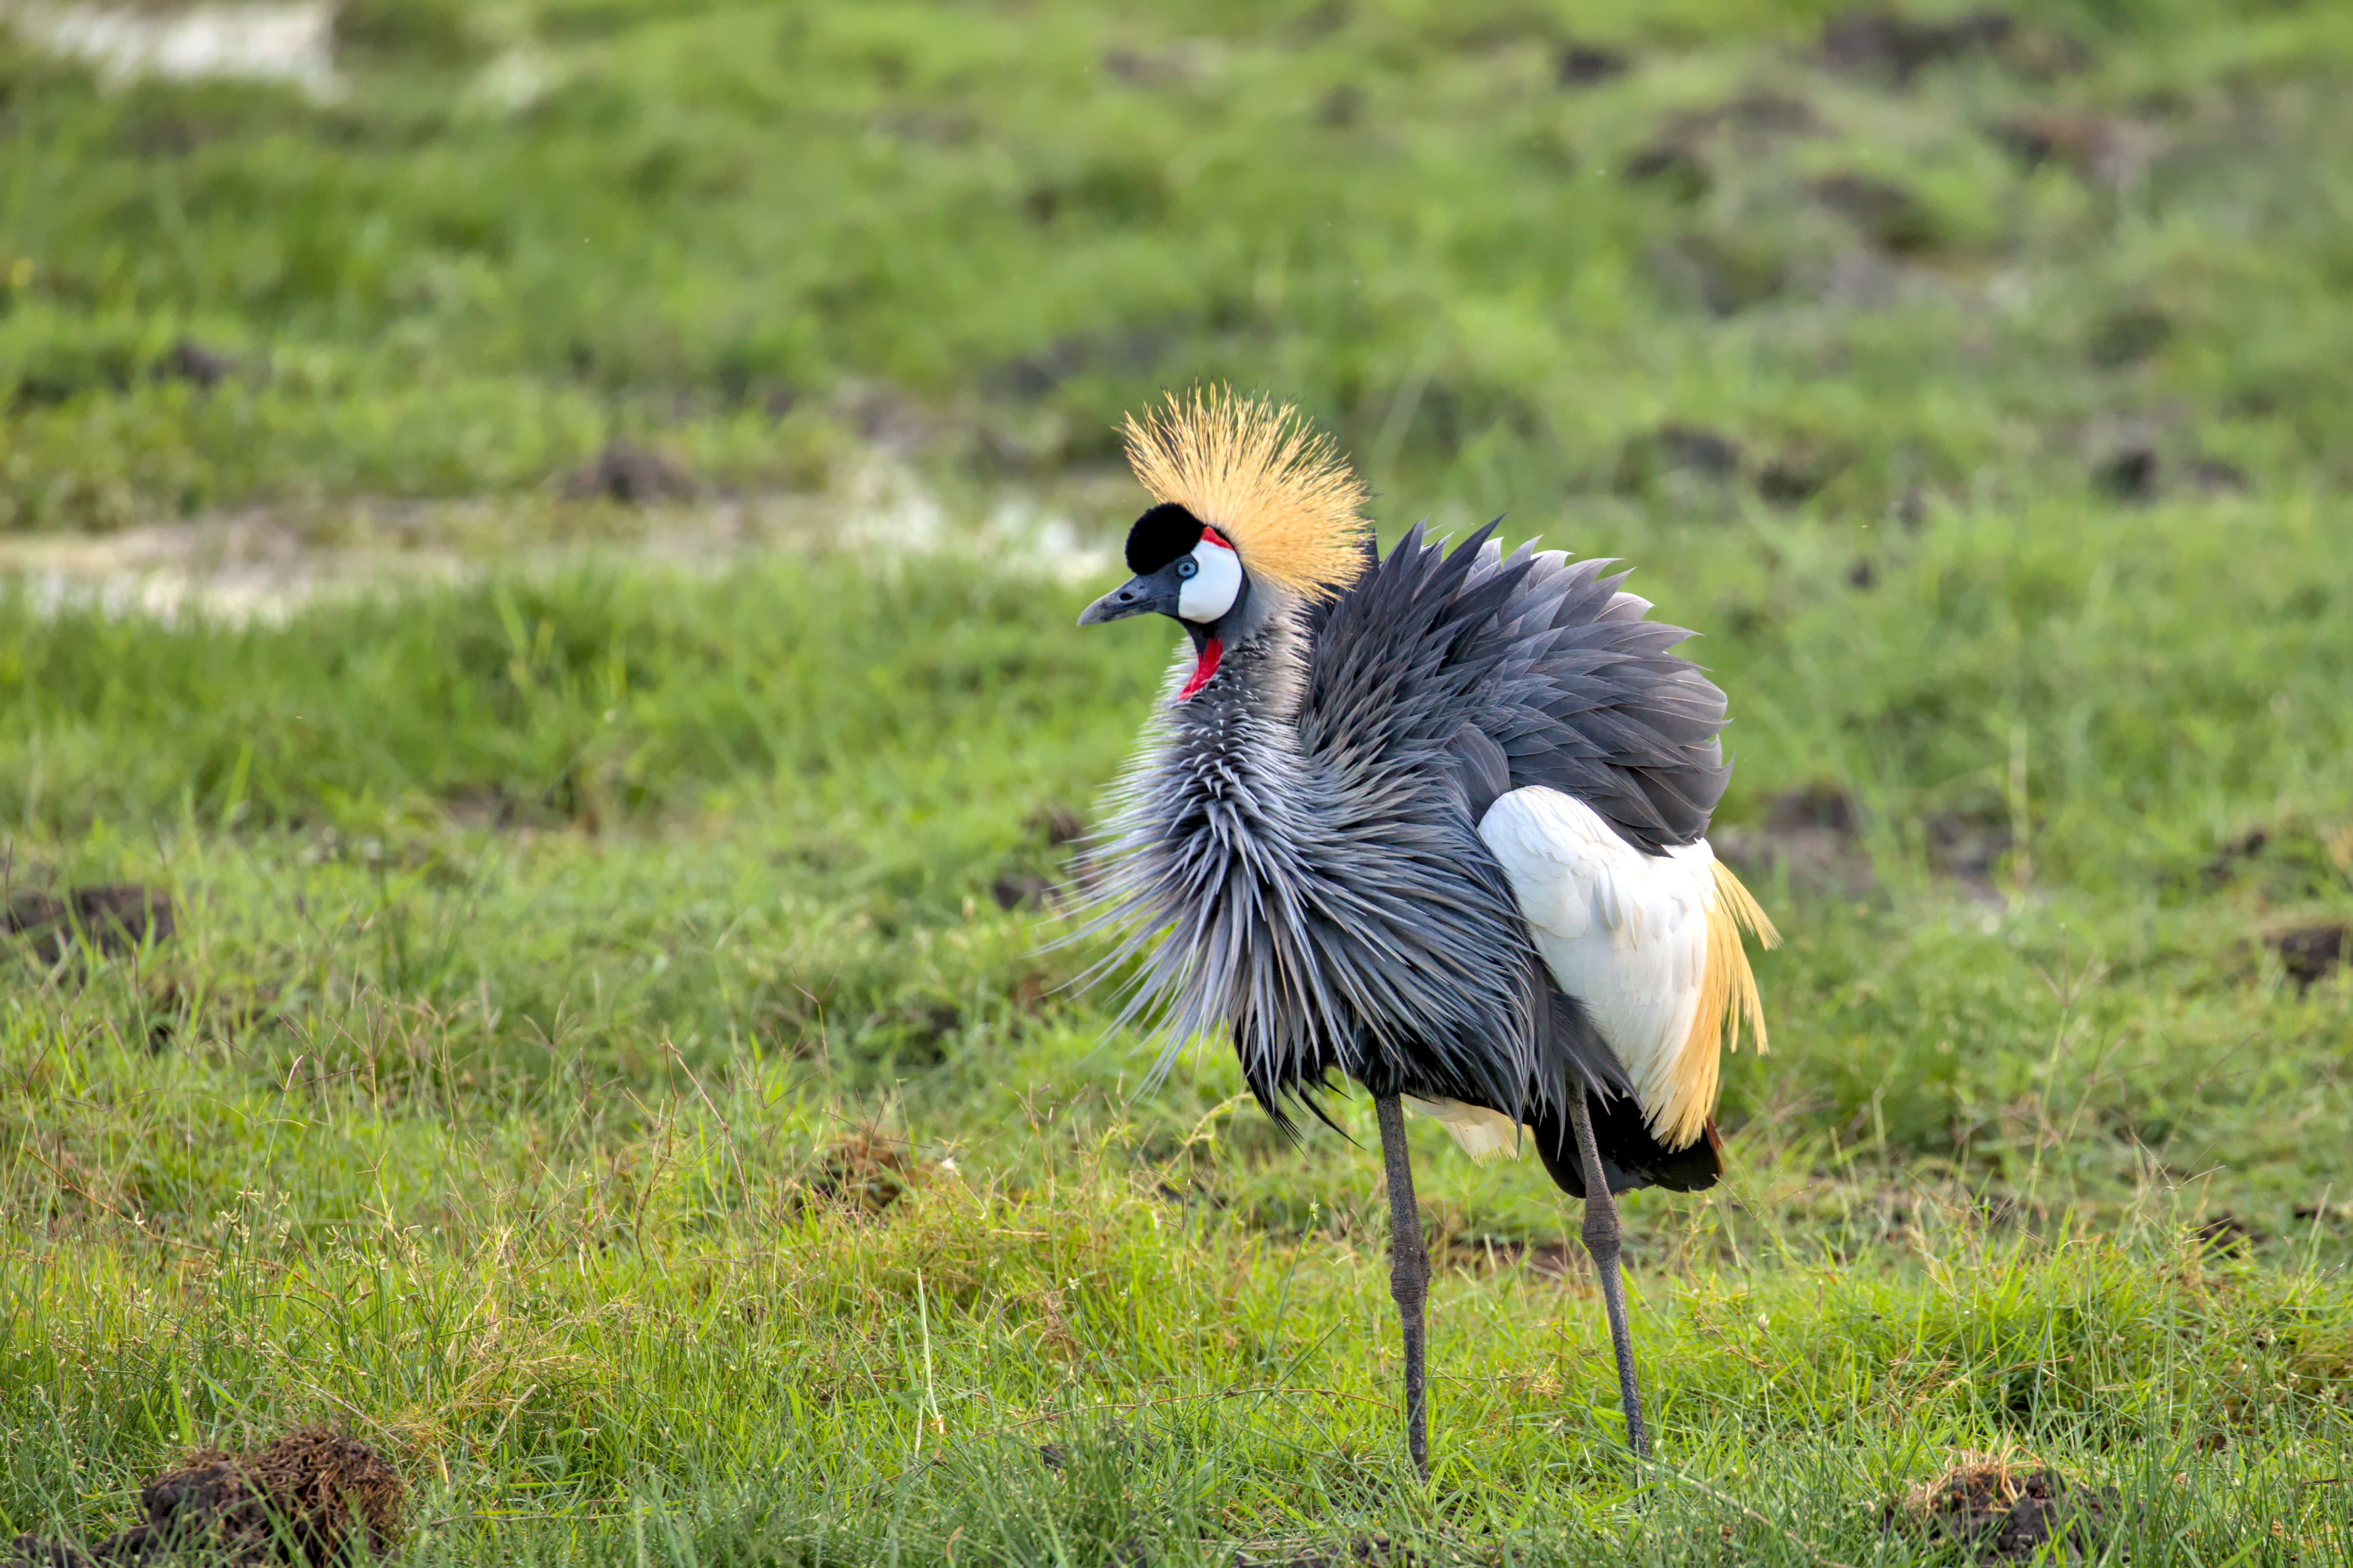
[
  {"x": 115, "y": 919},
  {"x": 2010, "y": 1509},
  {"x": 633, "y": 476},
  {"x": 2309, "y": 953},
  {"x": 306, "y": 1500}
]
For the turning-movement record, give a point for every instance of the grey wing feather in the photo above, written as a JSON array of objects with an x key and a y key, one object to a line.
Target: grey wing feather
[
  {"x": 1481, "y": 768},
  {"x": 1507, "y": 672},
  {"x": 1316, "y": 883},
  {"x": 1546, "y": 658}
]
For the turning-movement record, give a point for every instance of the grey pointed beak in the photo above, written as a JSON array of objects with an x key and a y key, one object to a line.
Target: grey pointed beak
[{"x": 1136, "y": 596}]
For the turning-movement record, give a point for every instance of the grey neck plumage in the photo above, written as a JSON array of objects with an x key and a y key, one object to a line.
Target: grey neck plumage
[{"x": 1272, "y": 889}]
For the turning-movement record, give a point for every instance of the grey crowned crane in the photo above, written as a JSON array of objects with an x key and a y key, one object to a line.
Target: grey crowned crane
[{"x": 1431, "y": 822}]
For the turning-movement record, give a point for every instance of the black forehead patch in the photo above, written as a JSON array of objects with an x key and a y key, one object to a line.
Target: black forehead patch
[{"x": 1159, "y": 536}]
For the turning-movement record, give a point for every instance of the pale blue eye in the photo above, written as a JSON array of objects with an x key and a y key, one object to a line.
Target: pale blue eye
[{"x": 1187, "y": 567}]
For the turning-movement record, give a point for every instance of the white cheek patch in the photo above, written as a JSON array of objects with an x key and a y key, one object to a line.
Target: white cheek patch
[{"x": 1210, "y": 592}]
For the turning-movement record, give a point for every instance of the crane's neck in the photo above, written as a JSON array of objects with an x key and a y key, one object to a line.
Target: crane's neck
[
  {"x": 1307, "y": 891},
  {"x": 1223, "y": 837},
  {"x": 1236, "y": 728}
]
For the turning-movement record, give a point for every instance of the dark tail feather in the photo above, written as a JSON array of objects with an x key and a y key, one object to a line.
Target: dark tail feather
[
  {"x": 1630, "y": 1157},
  {"x": 1583, "y": 1062}
]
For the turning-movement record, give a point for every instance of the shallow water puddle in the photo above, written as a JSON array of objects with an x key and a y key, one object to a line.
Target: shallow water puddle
[
  {"x": 258, "y": 566},
  {"x": 289, "y": 43}
]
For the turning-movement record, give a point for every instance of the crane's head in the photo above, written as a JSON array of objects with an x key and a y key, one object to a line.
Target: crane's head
[
  {"x": 1256, "y": 509},
  {"x": 1183, "y": 569}
]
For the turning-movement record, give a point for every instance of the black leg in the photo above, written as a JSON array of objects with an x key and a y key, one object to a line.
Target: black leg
[
  {"x": 1601, "y": 1241},
  {"x": 1409, "y": 1275}
]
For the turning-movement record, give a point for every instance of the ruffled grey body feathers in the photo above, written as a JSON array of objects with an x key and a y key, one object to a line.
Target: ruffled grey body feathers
[{"x": 1295, "y": 856}]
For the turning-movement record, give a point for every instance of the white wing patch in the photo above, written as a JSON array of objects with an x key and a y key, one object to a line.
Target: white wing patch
[
  {"x": 1482, "y": 1132},
  {"x": 1640, "y": 940}
]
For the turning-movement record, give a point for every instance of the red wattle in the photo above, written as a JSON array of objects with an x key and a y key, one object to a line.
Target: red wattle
[{"x": 1214, "y": 651}]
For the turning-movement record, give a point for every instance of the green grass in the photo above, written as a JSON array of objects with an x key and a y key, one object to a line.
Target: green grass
[
  {"x": 569, "y": 963},
  {"x": 592, "y": 1061}
]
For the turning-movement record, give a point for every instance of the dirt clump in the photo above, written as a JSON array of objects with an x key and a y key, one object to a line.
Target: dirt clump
[
  {"x": 1674, "y": 164},
  {"x": 2224, "y": 865},
  {"x": 1701, "y": 450},
  {"x": 1795, "y": 477},
  {"x": 1488, "y": 1255},
  {"x": 2309, "y": 953},
  {"x": 1020, "y": 890},
  {"x": 633, "y": 476},
  {"x": 1746, "y": 118},
  {"x": 2218, "y": 476},
  {"x": 1967, "y": 845},
  {"x": 1057, "y": 825},
  {"x": 1901, "y": 47},
  {"x": 2227, "y": 1235},
  {"x": 1588, "y": 65},
  {"x": 2134, "y": 476},
  {"x": 2002, "y": 1507},
  {"x": 114, "y": 919},
  {"x": 867, "y": 1171},
  {"x": 1888, "y": 214},
  {"x": 193, "y": 362},
  {"x": 2110, "y": 152},
  {"x": 312, "y": 1498}
]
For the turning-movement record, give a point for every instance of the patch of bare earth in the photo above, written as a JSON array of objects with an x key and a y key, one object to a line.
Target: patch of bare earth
[
  {"x": 264, "y": 564},
  {"x": 2010, "y": 1508},
  {"x": 2313, "y": 952},
  {"x": 1355, "y": 1552},
  {"x": 867, "y": 1171},
  {"x": 313, "y": 1497},
  {"x": 114, "y": 919},
  {"x": 1813, "y": 835}
]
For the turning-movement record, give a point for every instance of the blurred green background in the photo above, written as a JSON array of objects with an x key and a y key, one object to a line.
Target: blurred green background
[
  {"x": 548, "y": 531},
  {"x": 1854, "y": 264}
]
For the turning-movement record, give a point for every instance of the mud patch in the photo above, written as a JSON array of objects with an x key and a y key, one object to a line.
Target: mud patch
[
  {"x": 289, "y": 43},
  {"x": 2004, "y": 1508},
  {"x": 313, "y": 1497}
]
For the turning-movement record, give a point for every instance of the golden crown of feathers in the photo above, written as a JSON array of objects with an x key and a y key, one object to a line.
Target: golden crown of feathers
[{"x": 1274, "y": 486}]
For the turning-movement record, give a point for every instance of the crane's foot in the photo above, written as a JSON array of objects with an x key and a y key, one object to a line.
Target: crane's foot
[
  {"x": 1409, "y": 1276},
  {"x": 1602, "y": 1239}
]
